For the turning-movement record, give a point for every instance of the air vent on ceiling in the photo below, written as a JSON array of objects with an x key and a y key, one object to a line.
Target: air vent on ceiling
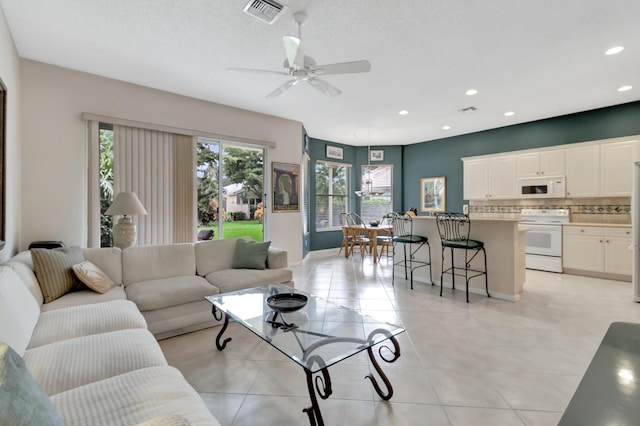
[
  {"x": 468, "y": 110},
  {"x": 265, "y": 10}
]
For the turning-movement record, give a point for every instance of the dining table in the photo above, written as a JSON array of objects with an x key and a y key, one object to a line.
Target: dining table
[{"x": 372, "y": 231}]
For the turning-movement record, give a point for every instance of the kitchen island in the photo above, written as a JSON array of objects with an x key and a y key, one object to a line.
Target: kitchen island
[{"x": 505, "y": 246}]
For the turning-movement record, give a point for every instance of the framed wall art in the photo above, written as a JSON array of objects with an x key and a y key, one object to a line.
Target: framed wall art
[
  {"x": 286, "y": 187},
  {"x": 433, "y": 194},
  {"x": 377, "y": 155},
  {"x": 334, "y": 152}
]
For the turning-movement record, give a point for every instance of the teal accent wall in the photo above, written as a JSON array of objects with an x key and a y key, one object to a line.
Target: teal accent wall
[
  {"x": 356, "y": 156},
  {"x": 442, "y": 157}
]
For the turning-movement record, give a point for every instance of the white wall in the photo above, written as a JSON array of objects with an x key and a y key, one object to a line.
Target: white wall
[
  {"x": 10, "y": 75},
  {"x": 54, "y": 149}
]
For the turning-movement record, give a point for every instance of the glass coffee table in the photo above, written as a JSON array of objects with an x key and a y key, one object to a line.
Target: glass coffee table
[{"x": 310, "y": 331}]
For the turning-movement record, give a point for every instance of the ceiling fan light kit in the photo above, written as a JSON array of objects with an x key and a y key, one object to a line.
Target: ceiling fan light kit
[{"x": 300, "y": 67}]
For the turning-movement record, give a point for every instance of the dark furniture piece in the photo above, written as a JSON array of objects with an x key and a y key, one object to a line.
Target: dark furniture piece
[
  {"x": 205, "y": 235},
  {"x": 454, "y": 230},
  {"x": 403, "y": 234},
  {"x": 609, "y": 393},
  {"x": 46, "y": 244}
]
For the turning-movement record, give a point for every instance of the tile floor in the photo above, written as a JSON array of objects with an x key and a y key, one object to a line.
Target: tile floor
[{"x": 489, "y": 362}]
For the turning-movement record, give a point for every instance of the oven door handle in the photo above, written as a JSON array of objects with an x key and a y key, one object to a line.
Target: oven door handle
[{"x": 543, "y": 228}]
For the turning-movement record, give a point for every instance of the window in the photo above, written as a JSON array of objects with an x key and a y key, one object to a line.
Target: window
[
  {"x": 332, "y": 194},
  {"x": 377, "y": 192}
]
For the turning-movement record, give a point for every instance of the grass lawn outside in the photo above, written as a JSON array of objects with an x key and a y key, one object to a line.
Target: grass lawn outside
[{"x": 240, "y": 228}]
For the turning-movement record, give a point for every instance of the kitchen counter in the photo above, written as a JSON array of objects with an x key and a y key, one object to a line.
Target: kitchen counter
[
  {"x": 505, "y": 246},
  {"x": 602, "y": 225}
]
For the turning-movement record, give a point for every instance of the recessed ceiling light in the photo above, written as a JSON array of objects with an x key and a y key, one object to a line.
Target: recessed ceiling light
[
  {"x": 471, "y": 92},
  {"x": 446, "y": 127},
  {"x": 614, "y": 50},
  {"x": 403, "y": 112},
  {"x": 509, "y": 113},
  {"x": 625, "y": 88}
]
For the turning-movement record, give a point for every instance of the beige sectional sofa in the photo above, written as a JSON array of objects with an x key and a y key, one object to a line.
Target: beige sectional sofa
[{"x": 95, "y": 355}]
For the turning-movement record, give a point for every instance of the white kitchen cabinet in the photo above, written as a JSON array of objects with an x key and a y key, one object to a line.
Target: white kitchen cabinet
[
  {"x": 597, "y": 249},
  {"x": 583, "y": 171},
  {"x": 490, "y": 177},
  {"x": 541, "y": 163},
  {"x": 616, "y": 168}
]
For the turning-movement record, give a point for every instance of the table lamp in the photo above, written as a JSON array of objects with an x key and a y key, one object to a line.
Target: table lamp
[{"x": 125, "y": 204}]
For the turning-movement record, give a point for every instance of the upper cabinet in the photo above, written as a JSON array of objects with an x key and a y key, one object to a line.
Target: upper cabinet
[
  {"x": 541, "y": 163},
  {"x": 592, "y": 169},
  {"x": 616, "y": 167},
  {"x": 490, "y": 177},
  {"x": 583, "y": 171}
]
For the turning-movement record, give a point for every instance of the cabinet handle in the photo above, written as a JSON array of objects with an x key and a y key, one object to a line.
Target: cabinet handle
[
  {"x": 541, "y": 173},
  {"x": 608, "y": 241},
  {"x": 600, "y": 240},
  {"x": 582, "y": 230}
]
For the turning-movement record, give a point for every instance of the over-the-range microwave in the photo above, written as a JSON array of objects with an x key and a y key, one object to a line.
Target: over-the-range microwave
[{"x": 542, "y": 187}]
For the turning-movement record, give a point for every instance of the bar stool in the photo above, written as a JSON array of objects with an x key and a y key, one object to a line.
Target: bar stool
[
  {"x": 454, "y": 230},
  {"x": 403, "y": 234}
]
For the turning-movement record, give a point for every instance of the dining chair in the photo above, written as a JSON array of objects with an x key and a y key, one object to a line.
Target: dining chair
[
  {"x": 454, "y": 230},
  {"x": 358, "y": 233},
  {"x": 385, "y": 240},
  {"x": 346, "y": 236},
  {"x": 403, "y": 234}
]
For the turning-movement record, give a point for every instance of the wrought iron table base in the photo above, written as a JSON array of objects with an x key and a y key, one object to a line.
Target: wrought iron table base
[{"x": 320, "y": 385}]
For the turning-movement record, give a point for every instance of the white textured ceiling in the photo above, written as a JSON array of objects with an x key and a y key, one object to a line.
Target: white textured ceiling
[{"x": 538, "y": 58}]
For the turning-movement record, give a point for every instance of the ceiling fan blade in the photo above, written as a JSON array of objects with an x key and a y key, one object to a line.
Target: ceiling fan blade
[
  {"x": 342, "y": 68},
  {"x": 254, "y": 71},
  {"x": 324, "y": 87},
  {"x": 295, "y": 54},
  {"x": 283, "y": 88}
]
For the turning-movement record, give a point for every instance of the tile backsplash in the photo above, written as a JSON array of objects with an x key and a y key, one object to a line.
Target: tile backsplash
[{"x": 585, "y": 210}]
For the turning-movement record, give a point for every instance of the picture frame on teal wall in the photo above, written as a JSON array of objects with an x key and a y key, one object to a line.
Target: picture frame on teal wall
[
  {"x": 377, "y": 155},
  {"x": 334, "y": 152},
  {"x": 433, "y": 194}
]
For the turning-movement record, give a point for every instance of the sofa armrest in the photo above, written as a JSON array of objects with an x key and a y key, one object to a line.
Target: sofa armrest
[{"x": 276, "y": 258}]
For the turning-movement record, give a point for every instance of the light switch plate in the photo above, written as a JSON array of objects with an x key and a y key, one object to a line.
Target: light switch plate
[{"x": 465, "y": 208}]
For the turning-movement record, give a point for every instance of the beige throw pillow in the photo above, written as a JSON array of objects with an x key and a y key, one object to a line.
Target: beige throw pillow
[
  {"x": 54, "y": 271},
  {"x": 92, "y": 276}
]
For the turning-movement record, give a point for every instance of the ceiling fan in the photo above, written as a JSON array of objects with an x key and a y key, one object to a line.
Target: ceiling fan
[{"x": 304, "y": 68}]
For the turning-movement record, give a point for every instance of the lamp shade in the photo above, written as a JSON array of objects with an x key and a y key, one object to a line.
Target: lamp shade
[{"x": 126, "y": 203}]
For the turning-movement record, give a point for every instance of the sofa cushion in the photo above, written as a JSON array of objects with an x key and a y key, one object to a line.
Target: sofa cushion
[
  {"x": 76, "y": 362},
  {"x": 158, "y": 294},
  {"x": 237, "y": 279},
  {"x": 86, "y": 320},
  {"x": 108, "y": 259},
  {"x": 53, "y": 270},
  {"x": 23, "y": 402},
  {"x": 146, "y": 263},
  {"x": 85, "y": 297},
  {"x": 251, "y": 255},
  {"x": 19, "y": 311},
  {"x": 92, "y": 276},
  {"x": 214, "y": 255},
  {"x": 132, "y": 398}
]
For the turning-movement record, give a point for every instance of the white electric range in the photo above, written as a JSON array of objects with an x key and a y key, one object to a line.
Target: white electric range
[{"x": 544, "y": 237}]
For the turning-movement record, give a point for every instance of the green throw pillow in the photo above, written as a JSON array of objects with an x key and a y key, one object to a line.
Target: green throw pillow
[
  {"x": 22, "y": 399},
  {"x": 251, "y": 255},
  {"x": 54, "y": 270}
]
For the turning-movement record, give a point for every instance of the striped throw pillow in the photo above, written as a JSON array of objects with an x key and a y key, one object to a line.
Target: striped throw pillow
[{"x": 54, "y": 270}]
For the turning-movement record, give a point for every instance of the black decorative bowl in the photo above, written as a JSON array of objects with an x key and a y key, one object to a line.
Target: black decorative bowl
[{"x": 286, "y": 302}]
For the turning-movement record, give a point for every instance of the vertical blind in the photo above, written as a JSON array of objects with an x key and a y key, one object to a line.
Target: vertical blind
[{"x": 159, "y": 167}]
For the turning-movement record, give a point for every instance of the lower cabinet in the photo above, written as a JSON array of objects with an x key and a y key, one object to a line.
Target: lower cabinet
[{"x": 597, "y": 249}]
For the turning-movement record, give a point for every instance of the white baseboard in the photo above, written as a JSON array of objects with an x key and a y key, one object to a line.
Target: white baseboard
[{"x": 474, "y": 290}]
